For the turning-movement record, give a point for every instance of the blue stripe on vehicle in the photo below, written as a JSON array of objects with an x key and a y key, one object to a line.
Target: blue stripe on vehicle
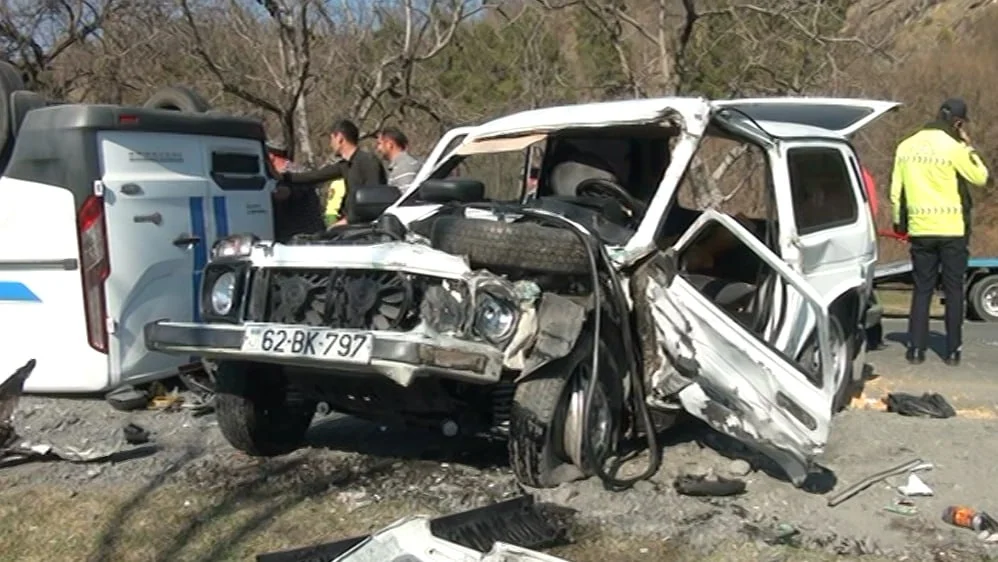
[
  {"x": 14, "y": 291},
  {"x": 200, "y": 254},
  {"x": 221, "y": 217}
]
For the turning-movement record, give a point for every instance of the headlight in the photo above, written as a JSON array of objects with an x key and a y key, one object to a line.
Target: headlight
[
  {"x": 235, "y": 246},
  {"x": 495, "y": 319},
  {"x": 223, "y": 293}
]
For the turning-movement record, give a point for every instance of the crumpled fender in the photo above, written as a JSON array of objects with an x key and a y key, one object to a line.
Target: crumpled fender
[{"x": 559, "y": 323}]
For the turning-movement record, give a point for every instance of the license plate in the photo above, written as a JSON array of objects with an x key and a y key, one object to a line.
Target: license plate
[{"x": 322, "y": 343}]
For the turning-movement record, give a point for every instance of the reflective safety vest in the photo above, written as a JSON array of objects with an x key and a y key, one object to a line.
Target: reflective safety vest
[
  {"x": 929, "y": 168},
  {"x": 335, "y": 191}
]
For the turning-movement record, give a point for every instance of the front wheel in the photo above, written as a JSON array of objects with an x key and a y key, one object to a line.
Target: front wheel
[
  {"x": 545, "y": 445},
  {"x": 256, "y": 412}
]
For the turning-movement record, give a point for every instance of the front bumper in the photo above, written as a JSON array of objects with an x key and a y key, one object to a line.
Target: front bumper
[{"x": 396, "y": 355}]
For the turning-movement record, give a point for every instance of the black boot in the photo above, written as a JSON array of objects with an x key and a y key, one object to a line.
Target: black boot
[
  {"x": 953, "y": 358},
  {"x": 915, "y": 356}
]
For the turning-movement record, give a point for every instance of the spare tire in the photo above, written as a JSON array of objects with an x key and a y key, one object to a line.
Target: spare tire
[
  {"x": 522, "y": 246},
  {"x": 178, "y": 98},
  {"x": 10, "y": 82},
  {"x": 21, "y": 103}
]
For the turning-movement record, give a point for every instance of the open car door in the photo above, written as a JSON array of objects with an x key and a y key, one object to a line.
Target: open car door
[
  {"x": 843, "y": 116},
  {"x": 742, "y": 382}
]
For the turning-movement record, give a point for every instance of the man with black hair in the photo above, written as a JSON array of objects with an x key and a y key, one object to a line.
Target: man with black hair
[
  {"x": 930, "y": 200},
  {"x": 358, "y": 168},
  {"x": 393, "y": 147}
]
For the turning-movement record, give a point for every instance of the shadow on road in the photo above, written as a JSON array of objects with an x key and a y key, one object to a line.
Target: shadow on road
[
  {"x": 937, "y": 341},
  {"x": 344, "y": 433}
]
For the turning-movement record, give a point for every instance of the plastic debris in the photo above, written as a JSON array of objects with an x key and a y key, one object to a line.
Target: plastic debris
[{"x": 915, "y": 487}]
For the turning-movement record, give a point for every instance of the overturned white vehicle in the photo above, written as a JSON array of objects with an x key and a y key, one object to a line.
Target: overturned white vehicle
[{"x": 708, "y": 256}]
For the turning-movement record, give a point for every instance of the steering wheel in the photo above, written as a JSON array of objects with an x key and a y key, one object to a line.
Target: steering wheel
[{"x": 600, "y": 187}]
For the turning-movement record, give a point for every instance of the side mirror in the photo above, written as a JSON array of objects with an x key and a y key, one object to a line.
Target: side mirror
[
  {"x": 368, "y": 203},
  {"x": 451, "y": 190}
]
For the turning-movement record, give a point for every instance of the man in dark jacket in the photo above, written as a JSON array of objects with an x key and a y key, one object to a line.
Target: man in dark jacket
[{"x": 359, "y": 168}]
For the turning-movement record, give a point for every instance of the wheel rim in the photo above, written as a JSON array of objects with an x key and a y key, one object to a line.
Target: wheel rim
[
  {"x": 989, "y": 300},
  {"x": 600, "y": 419}
]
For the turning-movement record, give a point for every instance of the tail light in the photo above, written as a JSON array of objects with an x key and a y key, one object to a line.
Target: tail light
[{"x": 95, "y": 268}]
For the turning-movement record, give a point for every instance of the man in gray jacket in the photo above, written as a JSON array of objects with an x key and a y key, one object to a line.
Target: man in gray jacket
[{"x": 393, "y": 147}]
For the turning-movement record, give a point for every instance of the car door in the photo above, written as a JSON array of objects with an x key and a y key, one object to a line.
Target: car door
[
  {"x": 239, "y": 190},
  {"x": 154, "y": 192},
  {"x": 744, "y": 384}
]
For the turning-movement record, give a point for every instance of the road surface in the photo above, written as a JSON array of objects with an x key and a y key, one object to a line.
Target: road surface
[{"x": 972, "y": 386}]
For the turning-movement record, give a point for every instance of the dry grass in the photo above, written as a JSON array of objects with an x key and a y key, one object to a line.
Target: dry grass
[{"x": 180, "y": 524}]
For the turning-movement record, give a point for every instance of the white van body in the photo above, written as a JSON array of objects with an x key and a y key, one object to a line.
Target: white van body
[{"x": 107, "y": 216}]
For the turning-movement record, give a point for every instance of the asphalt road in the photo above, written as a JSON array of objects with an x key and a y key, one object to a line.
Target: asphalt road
[{"x": 972, "y": 386}]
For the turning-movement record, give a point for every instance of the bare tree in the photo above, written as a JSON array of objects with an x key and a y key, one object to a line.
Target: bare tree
[
  {"x": 279, "y": 82},
  {"x": 33, "y": 34},
  {"x": 408, "y": 34}
]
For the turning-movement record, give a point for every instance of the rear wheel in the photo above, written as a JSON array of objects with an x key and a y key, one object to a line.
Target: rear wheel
[
  {"x": 546, "y": 421},
  {"x": 983, "y": 299},
  {"x": 256, "y": 412}
]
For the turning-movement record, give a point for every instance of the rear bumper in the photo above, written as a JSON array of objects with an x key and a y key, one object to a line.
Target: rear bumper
[{"x": 396, "y": 355}]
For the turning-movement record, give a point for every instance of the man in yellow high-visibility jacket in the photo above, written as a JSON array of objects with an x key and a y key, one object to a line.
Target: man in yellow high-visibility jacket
[{"x": 931, "y": 203}]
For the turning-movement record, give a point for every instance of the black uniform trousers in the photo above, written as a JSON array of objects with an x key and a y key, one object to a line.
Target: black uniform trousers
[{"x": 929, "y": 255}]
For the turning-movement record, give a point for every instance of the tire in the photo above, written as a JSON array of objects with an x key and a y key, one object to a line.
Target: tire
[
  {"x": 255, "y": 412},
  {"x": 540, "y": 412},
  {"x": 178, "y": 98},
  {"x": 522, "y": 246},
  {"x": 978, "y": 296},
  {"x": 22, "y": 102},
  {"x": 10, "y": 82}
]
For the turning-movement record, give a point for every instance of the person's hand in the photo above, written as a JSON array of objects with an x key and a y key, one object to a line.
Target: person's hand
[
  {"x": 282, "y": 193},
  {"x": 962, "y": 130}
]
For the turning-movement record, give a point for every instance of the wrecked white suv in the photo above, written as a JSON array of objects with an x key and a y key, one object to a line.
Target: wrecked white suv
[{"x": 713, "y": 257}]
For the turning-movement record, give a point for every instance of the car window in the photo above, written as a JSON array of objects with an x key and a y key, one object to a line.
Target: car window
[
  {"x": 822, "y": 189},
  {"x": 726, "y": 175},
  {"x": 501, "y": 172}
]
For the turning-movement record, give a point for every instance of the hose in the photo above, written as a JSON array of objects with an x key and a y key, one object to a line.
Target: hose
[{"x": 609, "y": 478}]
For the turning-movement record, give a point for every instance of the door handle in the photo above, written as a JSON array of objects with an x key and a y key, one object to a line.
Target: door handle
[
  {"x": 131, "y": 189},
  {"x": 154, "y": 218},
  {"x": 186, "y": 240}
]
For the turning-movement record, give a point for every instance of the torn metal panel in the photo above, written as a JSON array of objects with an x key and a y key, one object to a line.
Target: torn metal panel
[
  {"x": 559, "y": 323},
  {"x": 410, "y": 539},
  {"x": 10, "y": 393}
]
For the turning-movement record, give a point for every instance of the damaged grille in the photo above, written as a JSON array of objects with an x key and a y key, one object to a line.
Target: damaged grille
[{"x": 336, "y": 298}]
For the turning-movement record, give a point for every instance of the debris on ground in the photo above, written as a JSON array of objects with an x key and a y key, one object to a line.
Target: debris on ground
[
  {"x": 163, "y": 399},
  {"x": 915, "y": 487},
  {"x": 970, "y": 518},
  {"x": 127, "y": 398},
  {"x": 928, "y": 405},
  {"x": 707, "y": 485},
  {"x": 10, "y": 393},
  {"x": 503, "y": 531},
  {"x": 910, "y": 466},
  {"x": 15, "y": 450},
  {"x": 135, "y": 434}
]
